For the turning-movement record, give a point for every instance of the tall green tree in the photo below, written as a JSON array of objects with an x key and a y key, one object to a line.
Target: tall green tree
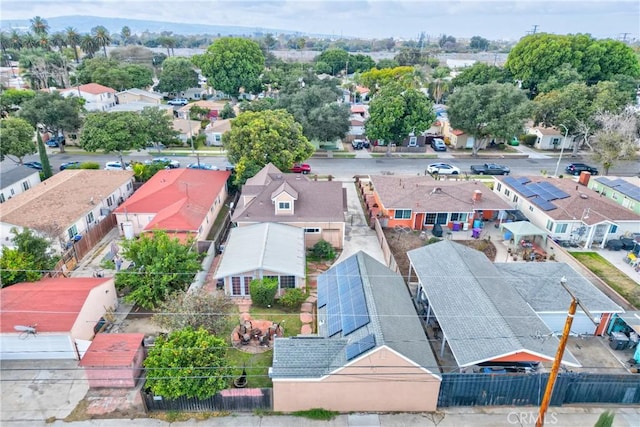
[
  {"x": 165, "y": 265},
  {"x": 187, "y": 363},
  {"x": 494, "y": 110},
  {"x": 16, "y": 135},
  {"x": 231, "y": 64},
  {"x": 39, "y": 26},
  {"x": 227, "y": 112},
  {"x": 158, "y": 125},
  {"x": 337, "y": 59},
  {"x": 114, "y": 132},
  {"x": 178, "y": 74},
  {"x": 125, "y": 34},
  {"x": 102, "y": 37},
  {"x": 12, "y": 98},
  {"x": 396, "y": 112},
  {"x": 44, "y": 158},
  {"x": 28, "y": 260},
  {"x": 480, "y": 74},
  {"x": 54, "y": 112},
  {"x": 259, "y": 138},
  {"x": 89, "y": 45},
  {"x": 479, "y": 43},
  {"x": 376, "y": 79},
  {"x": 73, "y": 40}
]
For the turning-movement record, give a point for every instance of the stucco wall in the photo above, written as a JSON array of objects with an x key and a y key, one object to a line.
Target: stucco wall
[
  {"x": 95, "y": 306},
  {"x": 379, "y": 382}
]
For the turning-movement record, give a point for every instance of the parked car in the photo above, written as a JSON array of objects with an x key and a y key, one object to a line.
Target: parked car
[
  {"x": 438, "y": 144},
  {"x": 577, "y": 168},
  {"x": 203, "y": 166},
  {"x": 229, "y": 166},
  {"x": 167, "y": 162},
  {"x": 357, "y": 144},
  {"x": 301, "y": 168},
  {"x": 33, "y": 165},
  {"x": 115, "y": 166},
  {"x": 490, "y": 169},
  {"x": 178, "y": 101},
  {"x": 443, "y": 169},
  {"x": 70, "y": 165}
]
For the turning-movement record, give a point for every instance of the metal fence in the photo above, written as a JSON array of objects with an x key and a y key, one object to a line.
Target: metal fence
[
  {"x": 527, "y": 389},
  {"x": 233, "y": 400}
]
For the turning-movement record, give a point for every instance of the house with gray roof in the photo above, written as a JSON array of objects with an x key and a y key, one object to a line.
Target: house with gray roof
[
  {"x": 624, "y": 190},
  {"x": 17, "y": 180},
  {"x": 483, "y": 318},
  {"x": 370, "y": 346},
  {"x": 318, "y": 207},
  {"x": 264, "y": 250},
  {"x": 539, "y": 285}
]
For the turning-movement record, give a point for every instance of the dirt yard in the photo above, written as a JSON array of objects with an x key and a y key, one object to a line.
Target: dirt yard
[{"x": 401, "y": 242}]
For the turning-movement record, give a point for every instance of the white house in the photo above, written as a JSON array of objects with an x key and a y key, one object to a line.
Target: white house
[
  {"x": 550, "y": 138},
  {"x": 215, "y": 130},
  {"x": 138, "y": 95},
  {"x": 17, "y": 180},
  {"x": 67, "y": 204},
  {"x": 356, "y": 126},
  {"x": 567, "y": 209},
  {"x": 186, "y": 129},
  {"x": 97, "y": 97}
]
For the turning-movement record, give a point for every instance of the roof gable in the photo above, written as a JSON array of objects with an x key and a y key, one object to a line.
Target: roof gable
[{"x": 92, "y": 88}]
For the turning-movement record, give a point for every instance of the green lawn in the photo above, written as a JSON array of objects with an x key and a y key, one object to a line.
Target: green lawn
[
  {"x": 257, "y": 366},
  {"x": 289, "y": 320},
  {"x": 610, "y": 275}
]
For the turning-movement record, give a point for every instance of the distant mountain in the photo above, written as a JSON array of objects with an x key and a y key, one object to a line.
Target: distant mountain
[{"x": 84, "y": 24}]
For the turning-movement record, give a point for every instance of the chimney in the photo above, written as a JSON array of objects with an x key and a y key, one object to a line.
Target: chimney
[{"x": 477, "y": 195}]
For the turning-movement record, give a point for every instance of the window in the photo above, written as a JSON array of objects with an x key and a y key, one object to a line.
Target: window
[
  {"x": 402, "y": 214},
  {"x": 217, "y": 137},
  {"x": 613, "y": 228},
  {"x": 507, "y": 192},
  {"x": 247, "y": 281},
  {"x": 2, "y": 199},
  {"x": 515, "y": 198},
  {"x": 90, "y": 218},
  {"x": 109, "y": 200},
  {"x": 549, "y": 225},
  {"x": 235, "y": 286},
  {"x": 284, "y": 205},
  {"x": 531, "y": 208},
  {"x": 561, "y": 228},
  {"x": 25, "y": 185},
  {"x": 129, "y": 186},
  {"x": 459, "y": 216},
  {"x": 13, "y": 193},
  {"x": 499, "y": 187},
  {"x": 442, "y": 218},
  {"x": 430, "y": 219},
  {"x": 72, "y": 232},
  {"x": 287, "y": 282},
  {"x": 312, "y": 230}
]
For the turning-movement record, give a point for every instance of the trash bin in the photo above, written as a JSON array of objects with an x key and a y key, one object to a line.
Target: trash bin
[
  {"x": 618, "y": 341},
  {"x": 456, "y": 226}
]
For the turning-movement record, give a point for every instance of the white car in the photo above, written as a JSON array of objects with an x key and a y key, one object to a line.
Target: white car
[
  {"x": 116, "y": 166},
  {"x": 443, "y": 169}
]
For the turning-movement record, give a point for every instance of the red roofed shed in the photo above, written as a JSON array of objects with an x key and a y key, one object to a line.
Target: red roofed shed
[{"x": 114, "y": 360}]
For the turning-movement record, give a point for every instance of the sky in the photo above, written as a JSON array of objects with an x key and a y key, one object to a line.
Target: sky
[{"x": 494, "y": 20}]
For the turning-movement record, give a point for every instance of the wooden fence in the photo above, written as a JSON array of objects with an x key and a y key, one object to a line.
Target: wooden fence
[{"x": 232, "y": 400}]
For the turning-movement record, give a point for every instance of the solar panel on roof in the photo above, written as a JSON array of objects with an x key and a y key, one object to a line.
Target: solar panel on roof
[
  {"x": 543, "y": 204},
  {"x": 353, "y": 306},
  {"x": 523, "y": 180},
  {"x": 553, "y": 190},
  {"x": 510, "y": 180},
  {"x": 629, "y": 190},
  {"x": 322, "y": 290},
  {"x": 357, "y": 348}
]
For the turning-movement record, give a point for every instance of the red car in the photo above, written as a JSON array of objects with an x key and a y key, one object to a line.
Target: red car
[{"x": 301, "y": 168}]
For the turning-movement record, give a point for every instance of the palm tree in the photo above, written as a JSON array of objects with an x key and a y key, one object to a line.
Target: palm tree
[
  {"x": 44, "y": 42},
  {"x": 59, "y": 40},
  {"x": 125, "y": 33},
  {"x": 16, "y": 40},
  {"x": 39, "y": 26},
  {"x": 73, "y": 40},
  {"x": 29, "y": 41},
  {"x": 101, "y": 34},
  {"x": 89, "y": 45}
]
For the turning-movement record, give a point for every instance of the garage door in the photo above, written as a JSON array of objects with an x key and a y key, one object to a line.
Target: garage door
[
  {"x": 36, "y": 347},
  {"x": 581, "y": 323}
]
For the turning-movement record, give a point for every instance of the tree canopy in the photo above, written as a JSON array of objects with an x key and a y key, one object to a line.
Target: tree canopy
[
  {"x": 259, "y": 138},
  {"x": 481, "y": 74},
  {"x": 17, "y": 139},
  {"x": 616, "y": 137},
  {"x": 114, "y": 74},
  {"x": 395, "y": 112},
  {"x": 27, "y": 260},
  {"x": 177, "y": 75},
  {"x": 494, "y": 110},
  {"x": 377, "y": 78},
  {"x": 231, "y": 64},
  {"x": 164, "y": 266},
  {"x": 118, "y": 131},
  {"x": 189, "y": 363}
]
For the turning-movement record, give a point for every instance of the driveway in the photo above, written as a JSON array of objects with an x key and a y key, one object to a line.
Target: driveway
[{"x": 35, "y": 390}]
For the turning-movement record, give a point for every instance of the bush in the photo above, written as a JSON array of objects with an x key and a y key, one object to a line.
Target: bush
[
  {"x": 316, "y": 414},
  {"x": 529, "y": 139},
  {"x": 263, "y": 291},
  {"x": 323, "y": 250},
  {"x": 292, "y": 298},
  {"x": 89, "y": 165}
]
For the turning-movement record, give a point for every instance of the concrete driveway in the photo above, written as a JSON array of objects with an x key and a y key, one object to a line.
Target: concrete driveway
[{"x": 36, "y": 390}]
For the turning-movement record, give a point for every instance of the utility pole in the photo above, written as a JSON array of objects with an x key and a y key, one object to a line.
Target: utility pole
[
  {"x": 546, "y": 399},
  {"x": 624, "y": 37},
  {"x": 535, "y": 28}
]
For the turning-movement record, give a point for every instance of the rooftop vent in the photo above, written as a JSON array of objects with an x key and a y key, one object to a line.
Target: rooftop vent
[{"x": 583, "y": 196}]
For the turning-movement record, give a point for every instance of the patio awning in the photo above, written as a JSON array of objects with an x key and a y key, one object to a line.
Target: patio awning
[{"x": 521, "y": 229}]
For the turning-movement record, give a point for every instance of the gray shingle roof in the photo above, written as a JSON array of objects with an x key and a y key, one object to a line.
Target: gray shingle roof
[
  {"x": 480, "y": 314},
  {"x": 539, "y": 284},
  {"x": 393, "y": 321},
  {"x": 13, "y": 175},
  {"x": 268, "y": 246}
]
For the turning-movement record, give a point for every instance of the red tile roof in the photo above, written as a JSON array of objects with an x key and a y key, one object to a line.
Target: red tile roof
[
  {"x": 112, "y": 350},
  {"x": 92, "y": 88},
  {"x": 457, "y": 132},
  {"x": 179, "y": 198},
  {"x": 362, "y": 89},
  {"x": 52, "y": 304},
  {"x": 358, "y": 109}
]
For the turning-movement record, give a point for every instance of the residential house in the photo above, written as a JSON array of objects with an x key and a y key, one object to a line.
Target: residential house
[
  {"x": 68, "y": 204},
  {"x": 482, "y": 318},
  {"x": 63, "y": 313},
  {"x": 420, "y": 202},
  {"x": 193, "y": 93},
  {"x": 318, "y": 207},
  {"x": 261, "y": 251},
  {"x": 17, "y": 180},
  {"x": 370, "y": 353},
  {"x": 214, "y": 108},
  {"x": 215, "y": 130},
  {"x": 97, "y": 96},
  {"x": 548, "y": 138},
  {"x": 363, "y": 93},
  {"x": 137, "y": 107},
  {"x": 356, "y": 127},
  {"x": 138, "y": 96},
  {"x": 624, "y": 191},
  {"x": 188, "y": 130},
  {"x": 567, "y": 209},
  {"x": 360, "y": 110},
  {"x": 183, "y": 202},
  {"x": 457, "y": 139},
  {"x": 114, "y": 360}
]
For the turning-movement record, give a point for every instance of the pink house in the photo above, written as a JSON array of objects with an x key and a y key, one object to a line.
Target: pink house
[{"x": 114, "y": 360}]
